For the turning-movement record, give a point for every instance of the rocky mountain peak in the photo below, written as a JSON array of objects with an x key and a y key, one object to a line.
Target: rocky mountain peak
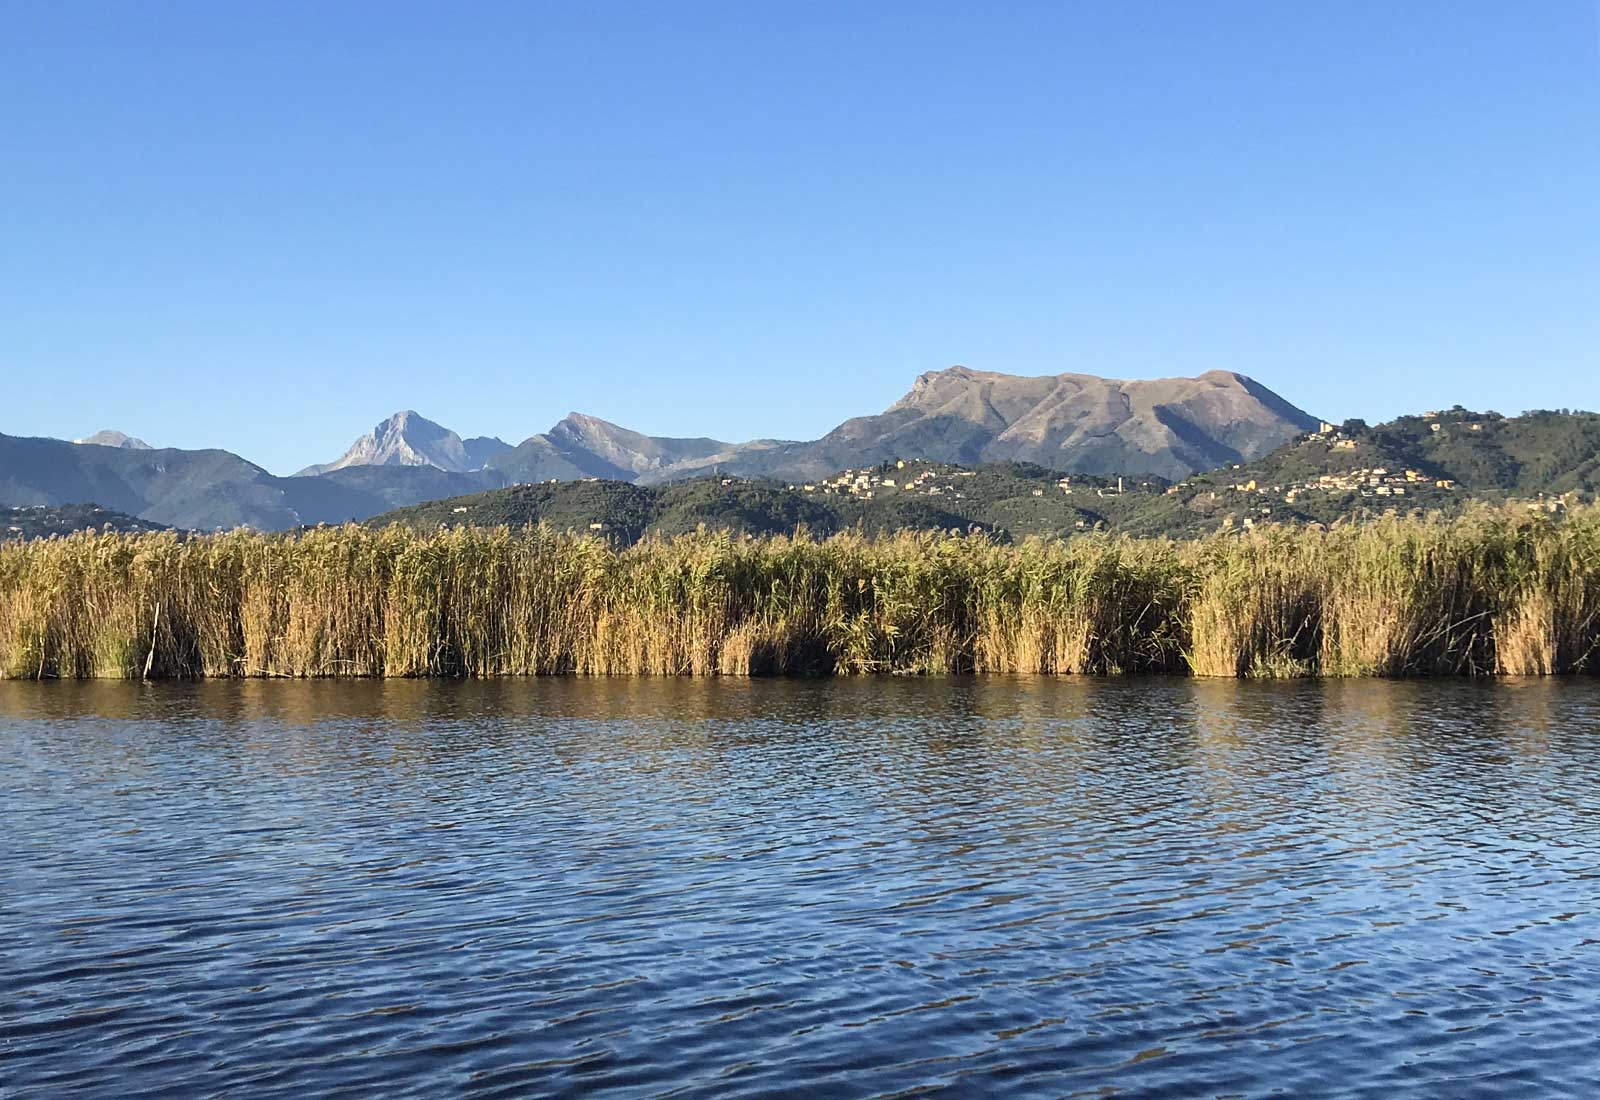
[{"x": 109, "y": 438}]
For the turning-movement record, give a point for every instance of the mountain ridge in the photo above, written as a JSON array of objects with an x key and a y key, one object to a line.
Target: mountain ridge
[{"x": 1072, "y": 423}]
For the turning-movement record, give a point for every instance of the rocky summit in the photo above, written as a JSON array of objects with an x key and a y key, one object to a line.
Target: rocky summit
[{"x": 407, "y": 439}]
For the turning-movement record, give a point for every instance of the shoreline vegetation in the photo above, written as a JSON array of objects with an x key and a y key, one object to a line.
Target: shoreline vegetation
[{"x": 1490, "y": 593}]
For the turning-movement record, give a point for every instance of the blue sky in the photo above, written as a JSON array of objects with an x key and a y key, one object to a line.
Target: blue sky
[{"x": 267, "y": 226}]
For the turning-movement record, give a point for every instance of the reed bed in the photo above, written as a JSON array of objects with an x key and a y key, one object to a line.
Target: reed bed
[{"x": 1492, "y": 593}]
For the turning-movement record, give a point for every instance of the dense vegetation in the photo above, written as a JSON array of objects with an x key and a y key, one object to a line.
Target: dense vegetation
[
  {"x": 1497, "y": 591},
  {"x": 999, "y": 500}
]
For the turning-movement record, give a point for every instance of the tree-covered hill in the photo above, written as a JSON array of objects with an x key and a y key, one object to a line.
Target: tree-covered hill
[{"x": 1006, "y": 500}]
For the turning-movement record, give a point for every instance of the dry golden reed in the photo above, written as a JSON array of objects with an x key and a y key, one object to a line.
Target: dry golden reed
[{"x": 1494, "y": 592}]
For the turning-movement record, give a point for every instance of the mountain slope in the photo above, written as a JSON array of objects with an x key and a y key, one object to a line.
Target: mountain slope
[{"x": 481, "y": 448}]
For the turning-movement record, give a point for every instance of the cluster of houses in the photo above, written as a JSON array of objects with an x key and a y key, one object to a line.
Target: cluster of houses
[
  {"x": 1363, "y": 481},
  {"x": 877, "y": 481},
  {"x": 1377, "y": 481},
  {"x": 928, "y": 481}
]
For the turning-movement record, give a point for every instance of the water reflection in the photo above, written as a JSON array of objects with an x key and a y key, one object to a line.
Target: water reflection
[{"x": 879, "y": 887}]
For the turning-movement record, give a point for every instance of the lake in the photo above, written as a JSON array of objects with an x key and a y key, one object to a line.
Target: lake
[{"x": 843, "y": 888}]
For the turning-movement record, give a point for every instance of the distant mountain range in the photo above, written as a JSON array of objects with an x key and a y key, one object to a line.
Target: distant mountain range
[
  {"x": 1076, "y": 423},
  {"x": 1073, "y": 423},
  {"x": 202, "y": 490}
]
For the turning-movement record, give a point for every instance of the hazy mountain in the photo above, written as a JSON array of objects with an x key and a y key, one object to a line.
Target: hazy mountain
[
  {"x": 209, "y": 488},
  {"x": 585, "y": 446},
  {"x": 109, "y": 438},
  {"x": 407, "y": 439},
  {"x": 481, "y": 448}
]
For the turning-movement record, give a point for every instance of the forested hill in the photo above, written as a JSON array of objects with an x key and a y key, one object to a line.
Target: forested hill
[
  {"x": 1538, "y": 452},
  {"x": 1438, "y": 462}
]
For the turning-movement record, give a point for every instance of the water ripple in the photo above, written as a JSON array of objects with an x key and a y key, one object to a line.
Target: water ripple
[{"x": 844, "y": 889}]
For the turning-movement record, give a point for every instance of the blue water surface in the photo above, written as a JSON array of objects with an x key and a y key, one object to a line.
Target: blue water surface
[{"x": 847, "y": 888}]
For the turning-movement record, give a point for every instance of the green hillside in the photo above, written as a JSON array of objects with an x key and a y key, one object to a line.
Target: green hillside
[
  {"x": 1440, "y": 462},
  {"x": 1008, "y": 500}
]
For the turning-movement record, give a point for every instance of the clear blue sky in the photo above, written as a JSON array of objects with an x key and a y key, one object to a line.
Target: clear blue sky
[{"x": 267, "y": 226}]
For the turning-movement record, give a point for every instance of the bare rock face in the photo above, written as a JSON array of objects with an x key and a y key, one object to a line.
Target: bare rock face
[
  {"x": 109, "y": 438},
  {"x": 407, "y": 439}
]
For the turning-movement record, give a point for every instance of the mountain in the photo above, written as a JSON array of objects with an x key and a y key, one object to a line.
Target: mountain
[
  {"x": 407, "y": 439},
  {"x": 585, "y": 446},
  {"x": 1080, "y": 423},
  {"x": 110, "y": 438},
  {"x": 206, "y": 489},
  {"x": 481, "y": 448}
]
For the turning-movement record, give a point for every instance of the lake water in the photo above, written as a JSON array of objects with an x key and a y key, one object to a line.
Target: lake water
[{"x": 851, "y": 888}]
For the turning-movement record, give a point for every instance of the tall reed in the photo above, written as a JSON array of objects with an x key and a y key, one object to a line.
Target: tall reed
[{"x": 1491, "y": 593}]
